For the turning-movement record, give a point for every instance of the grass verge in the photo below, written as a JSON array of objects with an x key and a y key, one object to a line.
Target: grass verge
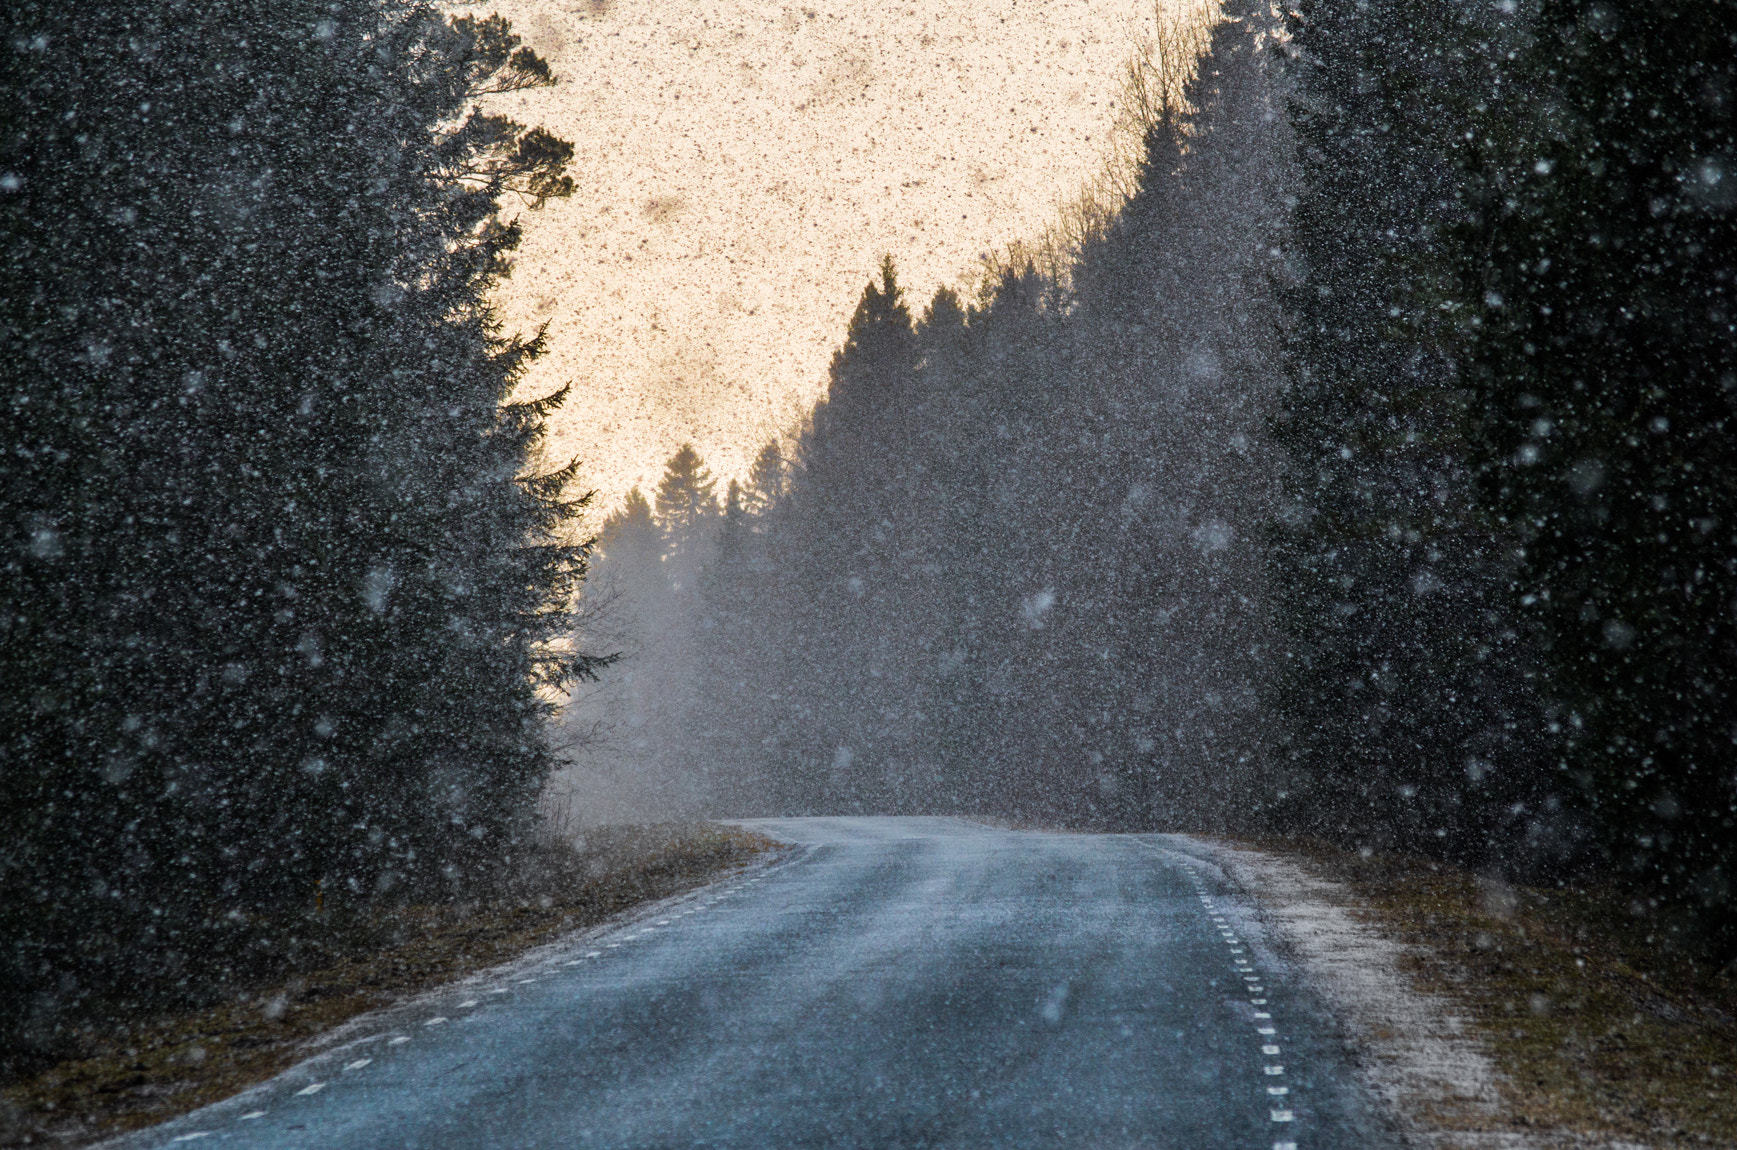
[
  {"x": 1599, "y": 1025},
  {"x": 137, "y": 1072}
]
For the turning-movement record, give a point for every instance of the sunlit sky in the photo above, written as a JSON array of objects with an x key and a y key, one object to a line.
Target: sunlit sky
[{"x": 741, "y": 169}]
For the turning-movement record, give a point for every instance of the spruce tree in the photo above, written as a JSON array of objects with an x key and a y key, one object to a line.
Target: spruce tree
[
  {"x": 281, "y": 598},
  {"x": 846, "y": 573},
  {"x": 1409, "y": 693},
  {"x": 686, "y": 503},
  {"x": 768, "y": 480},
  {"x": 1599, "y": 274}
]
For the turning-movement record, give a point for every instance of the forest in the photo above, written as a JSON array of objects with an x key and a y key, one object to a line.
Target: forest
[
  {"x": 1362, "y": 470},
  {"x": 1355, "y": 463},
  {"x": 287, "y": 589}
]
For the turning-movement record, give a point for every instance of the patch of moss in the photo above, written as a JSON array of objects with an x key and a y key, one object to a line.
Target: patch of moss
[
  {"x": 1599, "y": 1023},
  {"x": 140, "y": 1071}
]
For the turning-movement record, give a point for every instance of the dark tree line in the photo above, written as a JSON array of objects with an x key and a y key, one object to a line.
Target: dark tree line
[
  {"x": 1508, "y": 584},
  {"x": 1013, "y": 566},
  {"x": 284, "y": 591},
  {"x": 1367, "y": 474}
]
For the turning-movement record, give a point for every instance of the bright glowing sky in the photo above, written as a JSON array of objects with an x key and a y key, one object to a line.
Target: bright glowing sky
[{"x": 742, "y": 167}]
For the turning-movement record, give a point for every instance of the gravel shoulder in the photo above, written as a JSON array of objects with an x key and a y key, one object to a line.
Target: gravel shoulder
[
  {"x": 1485, "y": 1015},
  {"x": 125, "y": 1074}
]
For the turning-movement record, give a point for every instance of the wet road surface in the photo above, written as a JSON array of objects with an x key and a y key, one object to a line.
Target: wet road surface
[{"x": 888, "y": 982}]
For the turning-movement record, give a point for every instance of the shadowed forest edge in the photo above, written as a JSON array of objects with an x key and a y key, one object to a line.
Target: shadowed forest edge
[{"x": 1354, "y": 461}]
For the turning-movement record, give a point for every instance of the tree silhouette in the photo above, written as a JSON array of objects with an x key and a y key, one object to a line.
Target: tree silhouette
[
  {"x": 276, "y": 555},
  {"x": 686, "y": 504},
  {"x": 687, "y": 515},
  {"x": 629, "y": 534},
  {"x": 768, "y": 479}
]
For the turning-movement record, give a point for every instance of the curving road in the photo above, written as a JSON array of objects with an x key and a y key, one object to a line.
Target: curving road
[{"x": 890, "y": 982}]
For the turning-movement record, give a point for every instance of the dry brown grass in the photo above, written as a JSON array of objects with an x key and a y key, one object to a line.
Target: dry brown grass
[
  {"x": 1598, "y": 1023},
  {"x": 144, "y": 1071}
]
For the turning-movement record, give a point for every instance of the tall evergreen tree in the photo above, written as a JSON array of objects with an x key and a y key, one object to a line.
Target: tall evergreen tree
[
  {"x": 844, "y": 579},
  {"x": 1409, "y": 693},
  {"x": 1604, "y": 369},
  {"x": 768, "y": 479},
  {"x": 687, "y": 515},
  {"x": 686, "y": 502},
  {"x": 279, "y": 601}
]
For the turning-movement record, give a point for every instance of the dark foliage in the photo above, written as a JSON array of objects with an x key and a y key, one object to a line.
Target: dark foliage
[
  {"x": 1012, "y": 570},
  {"x": 279, "y": 608},
  {"x": 1601, "y": 266},
  {"x": 1412, "y": 700},
  {"x": 1508, "y": 573}
]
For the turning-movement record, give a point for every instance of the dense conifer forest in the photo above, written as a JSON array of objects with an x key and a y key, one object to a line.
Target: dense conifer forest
[
  {"x": 286, "y": 590},
  {"x": 1363, "y": 472},
  {"x": 1354, "y": 461}
]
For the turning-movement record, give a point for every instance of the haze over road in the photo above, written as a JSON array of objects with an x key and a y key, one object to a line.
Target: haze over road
[{"x": 888, "y": 982}]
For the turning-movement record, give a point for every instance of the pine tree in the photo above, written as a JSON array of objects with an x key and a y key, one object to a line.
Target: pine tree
[
  {"x": 844, "y": 576},
  {"x": 768, "y": 480},
  {"x": 1409, "y": 693},
  {"x": 1599, "y": 277},
  {"x": 281, "y": 595},
  {"x": 687, "y": 516},
  {"x": 686, "y": 504}
]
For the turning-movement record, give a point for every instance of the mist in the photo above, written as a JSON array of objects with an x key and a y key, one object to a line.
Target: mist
[{"x": 1011, "y": 564}]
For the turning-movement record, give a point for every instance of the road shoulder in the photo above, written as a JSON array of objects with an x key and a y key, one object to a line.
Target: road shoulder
[
  {"x": 139, "y": 1072},
  {"x": 1482, "y": 1016}
]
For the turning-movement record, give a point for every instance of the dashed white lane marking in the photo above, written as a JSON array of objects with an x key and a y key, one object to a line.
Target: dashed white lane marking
[
  {"x": 311, "y": 1088},
  {"x": 399, "y": 1041},
  {"x": 595, "y": 954},
  {"x": 522, "y": 981},
  {"x": 358, "y": 1064},
  {"x": 1254, "y": 986},
  {"x": 498, "y": 990},
  {"x": 251, "y": 1115},
  {"x": 467, "y": 1004},
  {"x": 190, "y": 1137},
  {"x": 436, "y": 1020}
]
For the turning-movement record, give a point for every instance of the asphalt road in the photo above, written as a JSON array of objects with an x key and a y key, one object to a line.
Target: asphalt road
[{"x": 909, "y": 982}]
